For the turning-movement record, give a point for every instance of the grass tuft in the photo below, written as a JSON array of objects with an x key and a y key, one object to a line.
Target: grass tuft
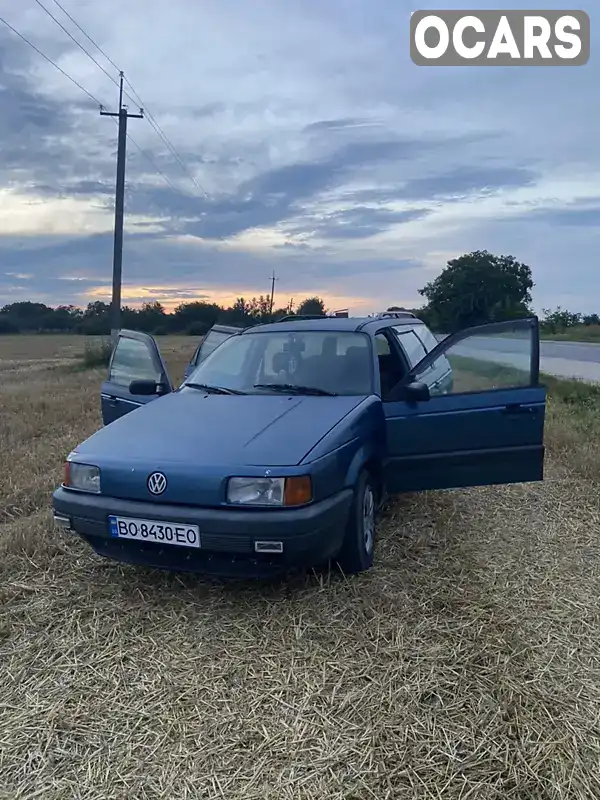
[{"x": 96, "y": 353}]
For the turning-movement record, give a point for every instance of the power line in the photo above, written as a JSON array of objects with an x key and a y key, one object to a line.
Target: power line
[
  {"x": 159, "y": 131},
  {"x": 152, "y": 163},
  {"x": 90, "y": 95},
  {"x": 89, "y": 38},
  {"x": 150, "y": 117},
  {"x": 81, "y": 47},
  {"x": 50, "y": 61}
]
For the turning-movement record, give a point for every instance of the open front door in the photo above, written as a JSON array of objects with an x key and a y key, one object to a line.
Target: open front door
[
  {"x": 216, "y": 335},
  {"x": 484, "y": 426},
  {"x": 135, "y": 358}
]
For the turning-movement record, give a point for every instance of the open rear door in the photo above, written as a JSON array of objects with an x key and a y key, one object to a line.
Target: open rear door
[
  {"x": 216, "y": 335},
  {"x": 135, "y": 357},
  {"x": 485, "y": 426}
]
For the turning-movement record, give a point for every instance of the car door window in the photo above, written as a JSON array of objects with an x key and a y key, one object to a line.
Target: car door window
[
  {"x": 427, "y": 337},
  {"x": 212, "y": 341},
  {"x": 132, "y": 361},
  {"x": 411, "y": 345},
  {"x": 490, "y": 361}
]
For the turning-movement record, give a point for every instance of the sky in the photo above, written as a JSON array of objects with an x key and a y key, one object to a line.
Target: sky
[{"x": 306, "y": 142}]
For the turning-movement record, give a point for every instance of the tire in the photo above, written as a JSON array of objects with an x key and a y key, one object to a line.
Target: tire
[{"x": 356, "y": 554}]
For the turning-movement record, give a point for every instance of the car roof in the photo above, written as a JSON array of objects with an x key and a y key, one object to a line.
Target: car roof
[{"x": 337, "y": 324}]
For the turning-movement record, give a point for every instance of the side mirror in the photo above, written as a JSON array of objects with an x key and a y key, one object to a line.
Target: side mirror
[
  {"x": 145, "y": 387},
  {"x": 416, "y": 392}
]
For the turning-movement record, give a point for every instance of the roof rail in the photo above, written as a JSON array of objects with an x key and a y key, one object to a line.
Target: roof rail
[
  {"x": 303, "y": 316},
  {"x": 395, "y": 314}
]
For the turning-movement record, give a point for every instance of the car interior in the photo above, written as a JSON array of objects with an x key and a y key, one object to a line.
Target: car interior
[
  {"x": 392, "y": 368},
  {"x": 346, "y": 373}
]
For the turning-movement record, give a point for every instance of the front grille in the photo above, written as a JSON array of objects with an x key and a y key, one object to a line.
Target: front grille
[{"x": 187, "y": 559}]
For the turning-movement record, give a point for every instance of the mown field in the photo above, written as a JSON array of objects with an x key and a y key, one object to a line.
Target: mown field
[{"x": 466, "y": 664}]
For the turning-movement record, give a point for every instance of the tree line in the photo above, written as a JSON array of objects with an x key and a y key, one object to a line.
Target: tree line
[
  {"x": 475, "y": 289},
  {"x": 193, "y": 318}
]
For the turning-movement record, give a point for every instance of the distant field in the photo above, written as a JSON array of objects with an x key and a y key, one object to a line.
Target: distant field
[
  {"x": 465, "y": 665},
  {"x": 578, "y": 333}
]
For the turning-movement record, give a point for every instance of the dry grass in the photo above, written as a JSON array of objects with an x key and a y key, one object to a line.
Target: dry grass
[{"x": 465, "y": 665}]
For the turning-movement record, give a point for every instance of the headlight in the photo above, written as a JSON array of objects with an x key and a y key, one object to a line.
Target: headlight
[
  {"x": 293, "y": 491},
  {"x": 84, "y": 477}
]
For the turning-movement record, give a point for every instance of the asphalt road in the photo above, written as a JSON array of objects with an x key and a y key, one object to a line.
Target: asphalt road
[{"x": 562, "y": 359}]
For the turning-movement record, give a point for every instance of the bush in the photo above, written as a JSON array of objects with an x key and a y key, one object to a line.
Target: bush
[
  {"x": 97, "y": 353},
  {"x": 7, "y": 326},
  {"x": 197, "y": 329}
]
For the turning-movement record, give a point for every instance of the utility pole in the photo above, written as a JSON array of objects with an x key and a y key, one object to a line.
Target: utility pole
[
  {"x": 273, "y": 279},
  {"x": 123, "y": 115}
]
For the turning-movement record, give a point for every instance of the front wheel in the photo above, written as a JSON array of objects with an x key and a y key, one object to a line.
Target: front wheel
[{"x": 358, "y": 546}]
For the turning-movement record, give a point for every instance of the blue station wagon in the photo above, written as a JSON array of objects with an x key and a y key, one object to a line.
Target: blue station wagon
[{"x": 282, "y": 442}]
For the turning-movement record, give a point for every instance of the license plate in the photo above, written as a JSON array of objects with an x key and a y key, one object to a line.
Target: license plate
[{"x": 150, "y": 530}]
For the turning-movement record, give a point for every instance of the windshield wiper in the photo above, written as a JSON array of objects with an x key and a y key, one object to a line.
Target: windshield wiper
[
  {"x": 292, "y": 388},
  {"x": 204, "y": 387}
]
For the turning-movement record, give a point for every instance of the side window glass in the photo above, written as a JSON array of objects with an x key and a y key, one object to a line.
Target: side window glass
[
  {"x": 427, "y": 337},
  {"x": 212, "y": 341},
  {"x": 228, "y": 364},
  {"x": 132, "y": 361},
  {"x": 196, "y": 356},
  {"x": 485, "y": 362},
  {"x": 412, "y": 346}
]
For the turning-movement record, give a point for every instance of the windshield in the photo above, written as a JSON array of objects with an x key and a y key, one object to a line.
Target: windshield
[{"x": 326, "y": 362}]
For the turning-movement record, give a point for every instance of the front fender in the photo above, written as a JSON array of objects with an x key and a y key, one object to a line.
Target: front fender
[{"x": 355, "y": 442}]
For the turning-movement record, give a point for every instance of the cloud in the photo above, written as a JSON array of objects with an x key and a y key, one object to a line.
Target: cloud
[
  {"x": 572, "y": 217},
  {"x": 323, "y": 150},
  {"x": 359, "y": 222}
]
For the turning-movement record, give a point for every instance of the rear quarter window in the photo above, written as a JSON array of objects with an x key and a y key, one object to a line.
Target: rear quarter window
[
  {"x": 427, "y": 337},
  {"x": 412, "y": 345}
]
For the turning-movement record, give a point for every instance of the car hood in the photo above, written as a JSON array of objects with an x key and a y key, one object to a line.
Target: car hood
[{"x": 189, "y": 426}]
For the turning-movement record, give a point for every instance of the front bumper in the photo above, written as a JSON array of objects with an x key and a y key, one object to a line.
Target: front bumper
[{"x": 310, "y": 535}]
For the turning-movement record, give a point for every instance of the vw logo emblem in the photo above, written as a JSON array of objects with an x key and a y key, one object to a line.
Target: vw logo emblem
[{"x": 157, "y": 483}]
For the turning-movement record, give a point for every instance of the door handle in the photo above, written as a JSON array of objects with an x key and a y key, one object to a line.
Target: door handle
[
  {"x": 518, "y": 409},
  {"x": 112, "y": 402}
]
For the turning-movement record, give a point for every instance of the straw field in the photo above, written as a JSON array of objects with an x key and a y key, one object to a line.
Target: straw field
[{"x": 466, "y": 664}]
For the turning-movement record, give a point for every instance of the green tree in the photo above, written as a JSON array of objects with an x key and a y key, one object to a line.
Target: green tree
[
  {"x": 477, "y": 288},
  {"x": 591, "y": 319},
  {"x": 197, "y": 316},
  {"x": 559, "y": 320},
  {"x": 96, "y": 319},
  {"x": 312, "y": 305},
  {"x": 28, "y": 316},
  {"x": 260, "y": 308},
  {"x": 237, "y": 314},
  {"x": 152, "y": 317}
]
